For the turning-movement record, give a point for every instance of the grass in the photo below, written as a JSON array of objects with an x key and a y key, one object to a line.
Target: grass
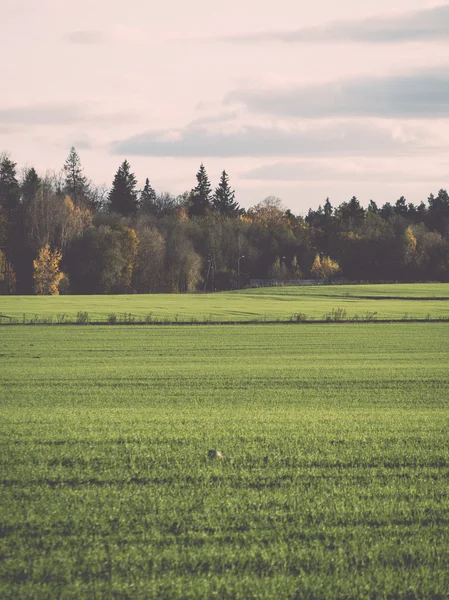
[
  {"x": 389, "y": 302},
  {"x": 335, "y": 487}
]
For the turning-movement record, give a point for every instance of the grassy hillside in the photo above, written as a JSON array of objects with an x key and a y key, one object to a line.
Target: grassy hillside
[
  {"x": 418, "y": 301},
  {"x": 335, "y": 484}
]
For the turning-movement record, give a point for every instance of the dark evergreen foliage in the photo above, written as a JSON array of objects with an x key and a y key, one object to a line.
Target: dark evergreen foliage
[
  {"x": 123, "y": 194},
  {"x": 9, "y": 186},
  {"x": 76, "y": 184},
  {"x": 224, "y": 198},
  {"x": 200, "y": 197},
  {"x": 30, "y": 185},
  {"x": 147, "y": 200}
]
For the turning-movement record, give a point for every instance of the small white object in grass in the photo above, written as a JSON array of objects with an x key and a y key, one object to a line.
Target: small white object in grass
[{"x": 215, "y": 454}]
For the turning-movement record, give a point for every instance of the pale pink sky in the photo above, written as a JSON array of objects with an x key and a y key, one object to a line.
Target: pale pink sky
[{"x": 294, "y": 99}]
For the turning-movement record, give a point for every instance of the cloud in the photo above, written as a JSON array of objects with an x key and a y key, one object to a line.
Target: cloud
[
  {"x": 58, "y": 114},
  {"x": 87, "y": 37},
  {"x": 423, "y": 95},
  {"x": 318, "y": 171},
  {"x": 44, "y": 114},
  {"x": 423, "y": 25},
  {"x": 341, "y": 139}
]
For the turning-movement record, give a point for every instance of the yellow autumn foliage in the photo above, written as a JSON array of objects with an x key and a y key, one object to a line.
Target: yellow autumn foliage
[
  {"x": 324, "y": 267},
  {"x": 46, "y": 272},
  {"x": 410, "y": 245}
]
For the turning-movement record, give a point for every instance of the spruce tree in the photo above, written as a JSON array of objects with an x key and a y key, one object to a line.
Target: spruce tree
[
  {"x": 224, "y": 198},
  {"x": 328, "y": 209},
  {"x": 76, "y": 184},
  {"x": 13, "y": 213},
  {"x": 200, "y": 197},
  {"x": 9, "y": 186},
  {"x": 147, "y": 201},
  {"x": 123, "y": 195},
  {"x": 30, "y": 185}
]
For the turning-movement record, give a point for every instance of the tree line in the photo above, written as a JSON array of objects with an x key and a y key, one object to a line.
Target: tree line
[{"x": 60, "y": 233}]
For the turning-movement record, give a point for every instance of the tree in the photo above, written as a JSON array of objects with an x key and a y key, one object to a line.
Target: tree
[
  {"x": 9, "y": 186},
  {"x": 129, "y": 245},
  {"x": 409, "y": 246},
  {"x": 7, "y": 275},
  {"x": 183, "y": 264},
  {"x": 102, "y": 261},
  {"x": 438, "y": 213},
  {"x": 328, "y": 209},
  {"x": 73, "y": 221},
  {"x": 30, "y": 185},
  {"x": 12, "y": 228},
  {"x": 123, "y": 195},
  {"x": 147, "y": 201},
  {"x": 200, "y": 197},
  {"x": 401, "y": 208},
  {"x": 224, "y": 198},
  {"x": 149, "y": 271},
  {"x": 324, "y": 267},
  {"x": 54, "y": 220},
  {"x": 278, "y": 269},
  {"x": 76, "y": 184},
  {"x": 295, "y": 268},
  {"x": 270, "y": 210},
  {"x": 372, "y": 207},
  {"x": 351, "y": 212},
  {"x": 46, "y": 272},
  {"x": 387, "y": 211}
]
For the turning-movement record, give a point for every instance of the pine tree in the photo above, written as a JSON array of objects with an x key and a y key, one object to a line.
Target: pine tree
[
  {"x": 76, "y": 184},
  {"x": 9, "y": 186},
  {"x": 328, "y": 209},
  {"x": 147, "y": 201},
  {"x": 30, "y": 184},
  {"x": 123, "y": 195},
  {"x": 224, "y": 198},
  {"x": 372, "y": 207},
  {"x": 13, "y": 225},
  {"x": 200, "y": 198}
]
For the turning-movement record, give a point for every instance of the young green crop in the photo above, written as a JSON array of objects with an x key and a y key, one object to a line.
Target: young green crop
[
  {"x": 360, "y": 302},
  {"x": 335, "y": 484}
]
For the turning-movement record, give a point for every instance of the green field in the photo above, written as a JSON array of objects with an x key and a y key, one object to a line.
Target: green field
[
  {"x": 336, "y": 483},
  {"x": 391, "y": 302}
]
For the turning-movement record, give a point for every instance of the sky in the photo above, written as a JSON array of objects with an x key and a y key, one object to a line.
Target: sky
[{"x": 296, "y": 100}]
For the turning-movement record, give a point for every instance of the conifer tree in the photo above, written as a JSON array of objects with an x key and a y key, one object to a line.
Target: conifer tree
[
  {"x": 328, "y": 209},
  {"x": 147, "y": 201},
  {"x": 76, "y": 184},
  {"x": 123, "y": 195},
  {"x": 200, "y": 197},
  {"x": 9, "y": 186},
  {"x": 224, "y": 198},
  {"x": 30, "y": 185}
]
